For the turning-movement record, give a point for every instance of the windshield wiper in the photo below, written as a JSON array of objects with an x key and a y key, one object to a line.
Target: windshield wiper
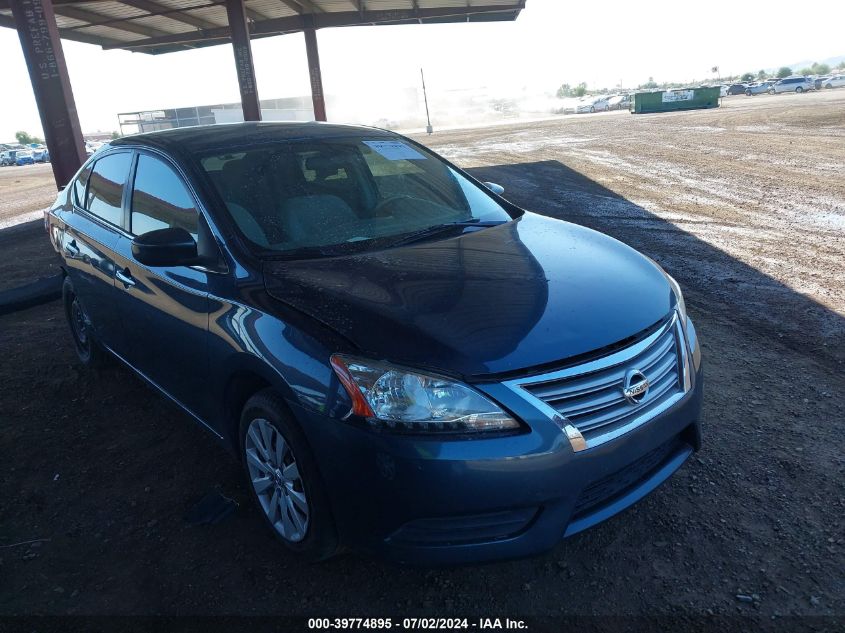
[{"x": 438, "y": 228}]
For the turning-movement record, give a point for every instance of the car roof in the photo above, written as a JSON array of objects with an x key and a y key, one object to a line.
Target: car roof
[{"x": 203, "y": 138}]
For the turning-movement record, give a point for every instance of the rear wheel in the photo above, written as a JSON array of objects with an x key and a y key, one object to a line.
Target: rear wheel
[
  {"x": 799, "y": 89},
  {"x": 283, "y": 478},
  {"x": 88, "y": 350},
  {"x": 592, "y": 109}
]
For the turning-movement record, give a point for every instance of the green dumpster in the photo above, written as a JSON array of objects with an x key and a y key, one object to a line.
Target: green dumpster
[{"x": 671, "y": 100}]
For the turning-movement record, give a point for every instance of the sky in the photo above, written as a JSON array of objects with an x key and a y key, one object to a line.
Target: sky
[{"x": 553, "y": 42}]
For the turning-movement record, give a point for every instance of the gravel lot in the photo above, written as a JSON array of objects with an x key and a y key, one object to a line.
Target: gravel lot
[
  {"x": 24, "y": 192},
  {"x": 745, "y": 205}
]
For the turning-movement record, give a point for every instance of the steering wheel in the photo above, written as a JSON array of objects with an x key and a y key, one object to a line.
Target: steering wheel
[{"x": 385, "y": 204}]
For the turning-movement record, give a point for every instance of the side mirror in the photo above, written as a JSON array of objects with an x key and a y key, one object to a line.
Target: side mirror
[
  {"x": 165, "y": 247},
  {"x": 497, "y": 189}
]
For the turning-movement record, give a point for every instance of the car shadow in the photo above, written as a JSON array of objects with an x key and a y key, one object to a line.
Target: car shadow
[{"x": 713, "y": 280}]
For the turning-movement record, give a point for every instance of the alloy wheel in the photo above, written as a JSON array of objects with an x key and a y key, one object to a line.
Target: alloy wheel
[{"x": 276, "y": 479}]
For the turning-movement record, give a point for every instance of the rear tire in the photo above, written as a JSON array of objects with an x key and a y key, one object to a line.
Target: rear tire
[
  {"x": 89, "y": 351},
  {"x": 799, "y": 90},
  {"x": 283, "y": 478}
]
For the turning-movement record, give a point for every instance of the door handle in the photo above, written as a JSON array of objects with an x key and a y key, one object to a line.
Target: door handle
[
  {"x": 125, "y": 277},
  {"x": 71, "y": 248}
]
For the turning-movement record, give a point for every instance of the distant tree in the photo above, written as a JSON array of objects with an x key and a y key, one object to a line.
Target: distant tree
[
  {"x": 819, "y": 69},
  {"x": 580, "y": 89},
  {"x": 841, "y": 65},
  {"x": 784, "y": 71},
  {"x": 564, "y": 91},
  {"x": 650, "y": 84},
  {"x": 747, "y": 77},
  {"x": 24, "y": 138},
  {"x": 762, "y": 74},
  {"x": 115, "y": 135}
]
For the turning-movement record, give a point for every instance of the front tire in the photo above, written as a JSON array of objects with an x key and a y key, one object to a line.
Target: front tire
[
  {"x": 283, "y": 478},
  {"x": 799, "y": 90}
]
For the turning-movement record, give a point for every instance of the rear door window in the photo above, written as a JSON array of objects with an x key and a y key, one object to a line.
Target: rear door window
[
  {"x": 160, "y": 199},
  {"x": 105, "y": 187},
  {"x": 79, "y": 186}
]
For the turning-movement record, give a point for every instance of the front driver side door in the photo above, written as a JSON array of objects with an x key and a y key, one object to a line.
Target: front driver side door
[{"x": 164, "y": 310}]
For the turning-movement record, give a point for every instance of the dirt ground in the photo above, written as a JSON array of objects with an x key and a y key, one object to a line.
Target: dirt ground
[
  {"x": 24, "y": 192},
  {"x": 745, "y": 205}
]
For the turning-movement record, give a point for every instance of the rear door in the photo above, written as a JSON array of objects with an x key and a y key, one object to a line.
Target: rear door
[
  {"x": 89, "y": 239},
  {"x": 164, "y": 310}
]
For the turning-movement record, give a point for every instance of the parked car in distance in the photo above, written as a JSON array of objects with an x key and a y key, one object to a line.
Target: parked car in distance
[
  {"x": 592, "y": 104},
  {"x": 24, "y": 157},
  {"x": 619, "y": 102},
  {"x": 403, "y": 361},
  {"x": 837, "y": 81},
  {"x": 723, "y": 90},
  {"x": 92, "y": 147},
  {"x": 7, "y": 158},
  {"x": 792, "y": 84},
  {"x": 736, "y": 89},
  {"x": 756, "y": 88},
  {"x": 41, "y": 155}
]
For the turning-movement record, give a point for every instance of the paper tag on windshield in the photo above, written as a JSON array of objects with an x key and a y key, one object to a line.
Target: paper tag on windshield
[{"x": 394, "y": 150}]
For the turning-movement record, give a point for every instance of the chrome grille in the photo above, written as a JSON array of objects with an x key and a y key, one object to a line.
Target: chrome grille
[{"x": 591, "y": 396}]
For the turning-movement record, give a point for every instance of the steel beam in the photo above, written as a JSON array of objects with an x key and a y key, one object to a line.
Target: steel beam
[
  {"x": 239, "y": 31},
  {"x": 316, "y": 75},
  {"x": 45, "y": 60}
]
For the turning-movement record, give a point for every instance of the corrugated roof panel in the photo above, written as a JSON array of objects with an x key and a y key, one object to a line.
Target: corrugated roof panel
[
  {"x": 110, "y": 33},
  {"x": 109, "y": 10},
  {"x": 494, "y": 3},
  {"x": 386, "y": 5},
  {"x": 442, "y": 4},
  {"x": 64, "y": 22},
  {"x": 270, "y": 8},
  {"x": 185, "y": 4},
  {"x": 164, "y": 24},
  {"x": 215, "y": 14},
  {"x": 336, "y": 6}
]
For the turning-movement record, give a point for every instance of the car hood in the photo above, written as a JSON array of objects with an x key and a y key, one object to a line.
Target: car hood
[{"x": 531, "y": 292}]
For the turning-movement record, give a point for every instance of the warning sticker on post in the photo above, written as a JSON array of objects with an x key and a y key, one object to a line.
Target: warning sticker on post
[{"x": 394, "y": 150}]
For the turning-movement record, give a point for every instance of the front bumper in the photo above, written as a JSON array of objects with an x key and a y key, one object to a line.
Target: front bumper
[{"x": 440, "y": 502}]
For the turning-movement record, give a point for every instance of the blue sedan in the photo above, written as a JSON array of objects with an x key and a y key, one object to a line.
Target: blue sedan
[
  {"x": 24, "y": 158},
  {"x": 402, "y": 360}
]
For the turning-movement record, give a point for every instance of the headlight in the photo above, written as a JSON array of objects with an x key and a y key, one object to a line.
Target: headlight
[{"x": 401, "y": 399}]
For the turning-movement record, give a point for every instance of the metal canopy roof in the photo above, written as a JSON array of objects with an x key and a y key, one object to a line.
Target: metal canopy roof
[{"x": 165, "y": 26}]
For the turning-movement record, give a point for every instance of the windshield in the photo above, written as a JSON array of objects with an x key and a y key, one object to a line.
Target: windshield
[{"x": 343, "y": 195}]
